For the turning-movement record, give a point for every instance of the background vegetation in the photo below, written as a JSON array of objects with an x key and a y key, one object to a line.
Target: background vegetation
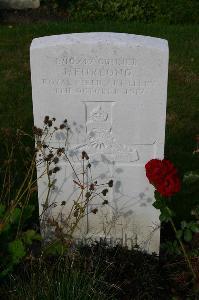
[{"x": 167, "y": 11}]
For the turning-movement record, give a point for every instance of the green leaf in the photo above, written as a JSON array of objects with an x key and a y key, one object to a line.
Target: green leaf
[
  {"x": 194, "y": 227},
  {"x": 31, "y": 235},
  {"x": 166, "y": 214},
  {"x": 171, "y": 247},
  {"x": 27, "y": 212},
  {"x": 158, "y": 197},
  {"x": 187, "y": 235},
  {"x": 183, "y": 224},
  {"x": 15, "y": 215},
  {"x": 6, "y": 271},
  {"x": 179, "y": 234},
  {"x": 191, "y": 177},
  {"x": 55, "y": 248},
  {"x": 162, "y": 218},
  {"x": 17, "y": 250},
  {"x": 157, "y": 204},
  {"x": 175, "y": 243}
]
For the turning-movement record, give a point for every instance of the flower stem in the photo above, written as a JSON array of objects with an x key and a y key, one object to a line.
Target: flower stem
[{"x": 183, "y": 249}]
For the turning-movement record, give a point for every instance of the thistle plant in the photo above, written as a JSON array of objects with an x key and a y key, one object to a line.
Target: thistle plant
[
  {"x": 18, "y": 196},
  {"x": 60, "y": 229}
]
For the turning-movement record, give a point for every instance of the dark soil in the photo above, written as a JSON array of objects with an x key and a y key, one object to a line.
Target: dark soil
[{"x": 137, "y": 275}]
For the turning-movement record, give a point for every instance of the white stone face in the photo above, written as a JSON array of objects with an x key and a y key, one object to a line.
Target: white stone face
[
  {"x": 19, "y": 4},
  {"x": 112, "y": 88}
]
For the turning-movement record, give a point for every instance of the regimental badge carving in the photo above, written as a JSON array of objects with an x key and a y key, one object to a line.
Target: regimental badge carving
[
  {"x": 105, "y": 141},
  {"x": 98, "y": 115},
  {"x": 100, "y": 135},
  {"x": 99, "y": 138}
]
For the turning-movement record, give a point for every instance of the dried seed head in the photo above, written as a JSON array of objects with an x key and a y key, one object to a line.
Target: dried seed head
[
  {"x": 39, "y": 145},
  {"x": 94, "y": 211},
  {"x": 56, "y": 169},
  {"x": 49, "y": 156},
  {"x": 56, "y": 160},
  {"x": 50, "y": 123},
  {"x": 110, "y": 183},
  {"x": 87, "y": 195},
  {"x": 46, "y": 119},
  {"x": 60, "y": 151},
  {"x": 34, "y": 189},
  {"x": 76, "y": 213},
  {"x": 85, "y": 155},
  {"x": 105, "y": 202},
  {"x": 89, "y": 166},
  {"x": 92, "y": 187},
  {"x": 37, "y": 131},
  {"x": 104, "y": 192},
  {"x": 62, "y": 126}
]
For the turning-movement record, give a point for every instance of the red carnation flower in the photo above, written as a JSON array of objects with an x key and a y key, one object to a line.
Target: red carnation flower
[
  {"x": 169, "y": 186},
  {"x": 154, "y": 171},
  {"x": 168, "y": 167},
  {"x": 163, "y": 175}
]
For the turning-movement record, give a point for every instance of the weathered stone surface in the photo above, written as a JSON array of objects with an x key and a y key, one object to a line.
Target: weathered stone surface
[
  {"x": 112, "y": 88},
  {"x": 19, "y": 4}
]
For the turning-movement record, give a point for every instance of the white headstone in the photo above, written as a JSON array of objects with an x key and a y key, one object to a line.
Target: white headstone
[
  {"x": 19, "y": 4},
  {"x": 112, "y": 88}
]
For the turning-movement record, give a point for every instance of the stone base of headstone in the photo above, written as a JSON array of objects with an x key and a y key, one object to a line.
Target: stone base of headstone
[{"x": 19, "y": 4}]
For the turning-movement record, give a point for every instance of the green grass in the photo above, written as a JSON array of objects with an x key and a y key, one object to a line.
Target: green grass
[
  {"x": 55, "y": 282},
  {"x": 183, "y": 101},
  {"x": 96, "y": 272}
]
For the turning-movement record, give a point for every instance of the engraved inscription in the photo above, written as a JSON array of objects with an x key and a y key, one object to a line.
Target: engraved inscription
[
  {"x": 98, "y": 91},
  {"x": 100, "y": 72},
  {"x": 93, "y": 75},
  {"x": 90, "y": 60}
]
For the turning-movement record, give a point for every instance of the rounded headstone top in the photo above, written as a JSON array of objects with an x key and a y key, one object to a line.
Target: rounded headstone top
[{"x": 109, "y": 38}]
